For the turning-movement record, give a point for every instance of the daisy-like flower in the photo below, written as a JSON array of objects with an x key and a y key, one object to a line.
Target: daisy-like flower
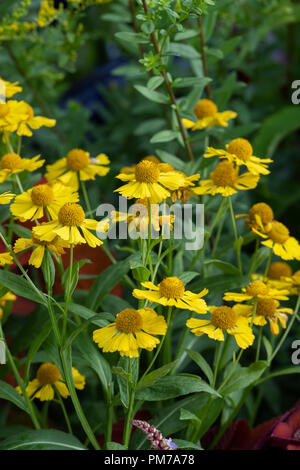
[
  {"x": 12, "y": 113},
  {"x": 256, "y": 290},
  {"x": 137, "y": 218},
  {"x": 267, "y": 309},
  {"x": 48, "y": 380},
  {"x": 292, "y": 283},
  {"x": 77, "y": 166},
  {"x": 225, "y": 180},
  {"x": 223, "y": 319},
  {"x": 32, "y": 204},
  {"x": 8, "y": 297},
  {"x": 133, "y": 329},
  {"x": 184, "y": 192},
  {"x": 278, "y": 277},
  {"x": 70, "y": 219},
  {"x": 207, "y": 115},
  {"x": 260, "y": 217},
  {"x": 171, "y": 292},
  {"x": 240, "y": 152},
  {"x": 56, "y": 246},
  {"x": 149, "y": 182},
  {"x": 5, "y": 258},
  {"x": 8, "y": 89},
  {"x": 6, "y": 197},
  {"x": 12, "y": 163},
  {"x": 32, "y": 122},
  {"x": 279, "y": 240}
]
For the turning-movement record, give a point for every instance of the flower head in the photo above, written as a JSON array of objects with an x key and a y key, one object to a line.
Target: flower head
[
  {"x": 223, "y": 319},
  {"x": 8, "y": 89},
  {"x": 39, "y": 247},
  {"x": 256, "y": 290},
  {"x": 171, "y": 292},
  {"x": 225, "y": 180},
  {"x": 32, "y": 204},
  {"x": 77, "y": 166},
  {"x": 5, "y": 258},
  {"x": 239, "y": 151},
  {"x": 150, "y": 181},
  {"x": 48, "y": 380},
  {"x": 70, "y": 225},
  {"x": 154, "y": 435},
  {"x": 6, "y": 197},
  {"x": 133, "y": 329},
  {"x": 278, "y": 238},
  {"x": 12, "y": 163},
  {"x": 267, "y": 310},
  {"x": 207, "y": 114},
  {"x": 32, "y": 122}
]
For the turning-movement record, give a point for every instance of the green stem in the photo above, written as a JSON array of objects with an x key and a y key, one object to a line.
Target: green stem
[
  {"x": 216, "y": 364},
  {"x": 258, "y": 343},
  {"x": 86, "y": 198},
  {"x": 159, "y": 347},
  {"x": 268, "y": 262},
  {"x": 80, "y": 414},
  {"x": 68, "y": 293},
  {"x": 19, "y": 183},
  {"x": 109, "y": 417},
  {"x": 237, "y": 248},
  {"x": 127, "y": 426},
  {"x": 64, "y": 411},
  {"x": 20, "y": 383}
]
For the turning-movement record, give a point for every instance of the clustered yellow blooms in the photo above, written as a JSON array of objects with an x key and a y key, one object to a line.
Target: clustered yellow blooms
[
  {"x": 149, "y": 182},
  {"x": 260, "y": 220}
]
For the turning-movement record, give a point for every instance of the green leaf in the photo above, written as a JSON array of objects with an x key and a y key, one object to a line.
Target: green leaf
[
  {"x": 131, "y": 37},
  {"x": 115, "y": 446},
  {"x": 274, "y": 129},
  {"x": 164, "y": 136},
  {"x": 182, "y": 444},
  {"x": 21, "y": 231},
  {"x": 35, "y": 346},
  {"x": 268, "y": 347},
  {"x": 224, "y": 266},
  {"x": 7, "y": 392},
  {"x": 182, "y": 50},
  {"x": 20, "y": 286},
  {"x": 174, "y": 386},
  {"x": 154, "y": 376},
  {"x": 152, "y": 95},
  {"x": 187, "y": 415},
  {"x": 88, "y": 314},
  {"x": 243, "y": 377},
  {"x": 219, "y": 284},
  {"x": 191, "y": 81},
  {"x": 171, "y": 159},
  {"x": 42, "y": 439},
  {"x": 95, "y": 360},
  {"x": 187, "y": 277},
  {"x": 202, "y": 363},
  {"x": 106, "y": 281}
]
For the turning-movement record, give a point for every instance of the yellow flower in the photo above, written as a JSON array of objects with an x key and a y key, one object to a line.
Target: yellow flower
[
  {"x": 32, "y": 204},
  {"x": 184, "y": 192},
  {"x": 8, "y": 89},
  {"x": 279, "y": 240},
  {"x": 5, "y": 258},
  {"x": 149, "y": 182},
  {"x": 171, "y": 292},
  {"x": 225, "y": 180},
  {"x": 12, "y": 113},
  {"x": 12, "y": 163},
  {"x": 48, "y": 379},
  {"x": 292, "y": 283},
  {"x": 207, "y": 115},
  {"x": 278, "y": 277},
  {"x": 240, "y": 152},
  {"x": 71, "y": 218},
  {"x": 223, "y": 319},
  {"x": 6, "y": 197},
  {"x": 137, "y": 218},
  {"x": 266, "y": 310},
  {"x": 32, "y": 122},
  {"x": 8, "y": 297},
  {"x": 256, "y": 290},
  {"x": 57, "y": 246},
  {"x": 260, "y": 217},
  {"x": 77, "y": 166},
  {"x": 47, "y": 13},
  {"x": 133, "y": 329}
]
